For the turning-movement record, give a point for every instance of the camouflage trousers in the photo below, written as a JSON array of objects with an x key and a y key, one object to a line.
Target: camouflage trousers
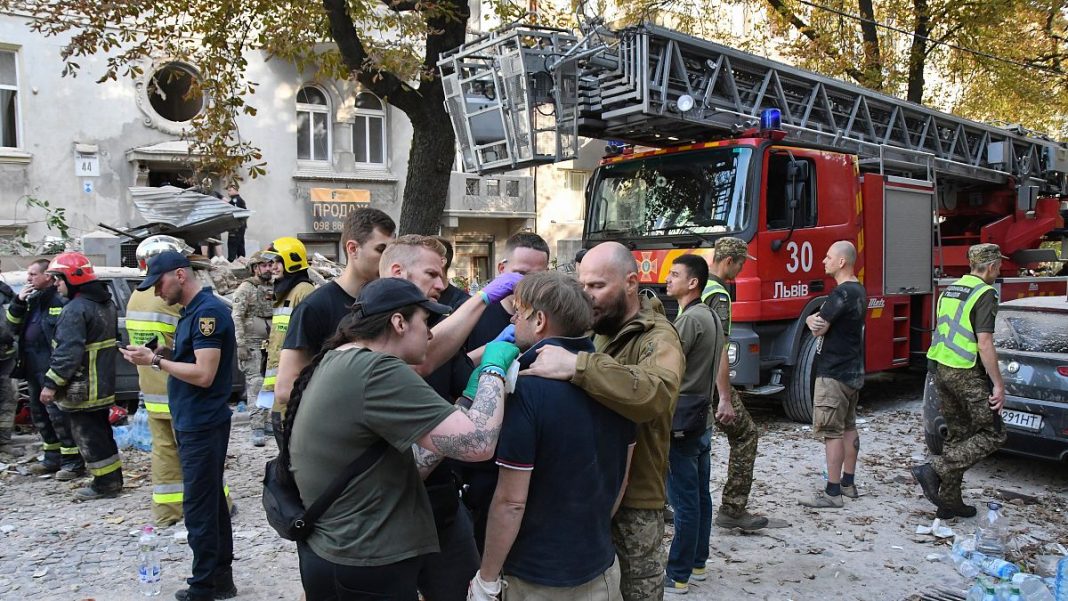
[
  {"x": 742, "y": 436},
  {"x": 637, "y": 535},
  {"x": 974, "y": 430},
  {"x": 253, "y": 370}
]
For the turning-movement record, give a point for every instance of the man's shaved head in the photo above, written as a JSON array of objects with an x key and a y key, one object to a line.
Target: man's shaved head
[
  {"x": 611, "y": 255},
  {"x": 845, "y": 250},
  {"x": 609, "y": 276},
  {"x": 840, "y": 259}
]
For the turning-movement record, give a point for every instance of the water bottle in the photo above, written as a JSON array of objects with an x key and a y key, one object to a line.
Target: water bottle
[
  {"x": 140, "y": 436},
  {"x": 960, "y": 553},
  {"x": 1031, "y": 588},
  {"x": 991, "y": 534},
  {"x": 122, "y": 436},
  {"x": 474, "y": 287},
  {"x": 982, "y": 590},
  {"x": 149, "y": 572},
  {"x": 241, "y": 407},
  {"x": 1060, "y": 581},
  {"x": 995, "y": 566}
]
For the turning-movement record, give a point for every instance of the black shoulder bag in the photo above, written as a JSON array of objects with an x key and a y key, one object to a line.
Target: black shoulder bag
[{"x": 285, "y": 510}]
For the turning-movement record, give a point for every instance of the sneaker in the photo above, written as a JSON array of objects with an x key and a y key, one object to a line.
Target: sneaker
[
  {"x": 850, "y": 491},
  {"x": 699, "y": 574},
  {"x": 675, "y": 588},
  {"x": 185, "y": 595},
  {"x": 66, "y": 475},
  {"x": 259, "y": 438},
  {"x": 822, "y": 500},
  {"x": 929, "y": 482},
  {"x": 746, "y": 521},
  {"x": 42, "y": 468},
  {"x": 89, "y": 493}
]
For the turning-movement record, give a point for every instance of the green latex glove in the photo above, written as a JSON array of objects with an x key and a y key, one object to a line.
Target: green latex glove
[{"x": 499, "y": 355}]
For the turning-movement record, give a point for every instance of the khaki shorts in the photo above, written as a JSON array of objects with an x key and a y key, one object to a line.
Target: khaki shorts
[
  {"x": 834, "y": 408},
  {"x": 602, "y": 588}
]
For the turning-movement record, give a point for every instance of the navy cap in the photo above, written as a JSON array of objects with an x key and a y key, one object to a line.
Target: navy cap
[
  {"x": 387, "y": 294},
  {"x": 160, "y": 264}
]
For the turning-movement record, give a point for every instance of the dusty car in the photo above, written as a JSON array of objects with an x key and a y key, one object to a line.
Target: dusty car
[
  {"x": 1031, "y": 338},
  {"x": 121, "y": 281}
]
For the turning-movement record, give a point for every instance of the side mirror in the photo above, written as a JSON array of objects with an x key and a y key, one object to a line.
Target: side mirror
[{"x": 796, "y": 179}]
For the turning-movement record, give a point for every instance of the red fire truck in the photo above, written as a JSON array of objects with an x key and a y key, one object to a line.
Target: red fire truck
[{"x": 707, "y": 141}]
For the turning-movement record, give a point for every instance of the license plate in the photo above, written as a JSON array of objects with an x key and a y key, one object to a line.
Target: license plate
[{"x": 1019, "y": 419}]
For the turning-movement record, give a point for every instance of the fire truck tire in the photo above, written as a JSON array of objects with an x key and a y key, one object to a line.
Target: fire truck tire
[{"x": 797, "y": 398}]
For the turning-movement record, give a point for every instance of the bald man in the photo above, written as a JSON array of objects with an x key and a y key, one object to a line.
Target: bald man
[
  {"x": 839, "y": 324},
  {"x": 636, "y": 371}
]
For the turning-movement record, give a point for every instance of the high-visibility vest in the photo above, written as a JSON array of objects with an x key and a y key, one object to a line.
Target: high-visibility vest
[
  {"x": 954, "y": 343},
  {"x": 712, "y": 288},
  {"x": 283, "y": 311},
  {"x": 149, "y": 318}
]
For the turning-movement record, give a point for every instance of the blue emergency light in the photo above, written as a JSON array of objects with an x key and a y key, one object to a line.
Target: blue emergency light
[{"x": 770, "y": 119}]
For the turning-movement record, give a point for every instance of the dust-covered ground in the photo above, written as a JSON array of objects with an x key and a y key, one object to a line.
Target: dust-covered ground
[{"x": 51, "y": 548}]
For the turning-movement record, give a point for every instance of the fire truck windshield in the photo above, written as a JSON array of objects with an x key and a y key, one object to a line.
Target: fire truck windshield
[{"x": 700, "y": 192}]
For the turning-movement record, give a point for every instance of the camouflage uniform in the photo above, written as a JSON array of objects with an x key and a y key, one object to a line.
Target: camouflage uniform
[
  {"x": 974, "y": 430},
  {"x": 637, "y": 534},
  {"x": 252, "y": 308}
]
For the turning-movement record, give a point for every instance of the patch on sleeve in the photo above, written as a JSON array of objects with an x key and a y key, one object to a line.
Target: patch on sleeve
[{"x": 207, "y": 326}]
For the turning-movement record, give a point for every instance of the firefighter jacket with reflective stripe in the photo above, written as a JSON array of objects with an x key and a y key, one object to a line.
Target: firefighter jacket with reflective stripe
[
  {"x": 48, "y": 302},
  {"x": 85, "y": 351},
  {"x": 954, "y": 343},
  {"x": 149, "y": 317},
  {"x": 283, "y": 310}
]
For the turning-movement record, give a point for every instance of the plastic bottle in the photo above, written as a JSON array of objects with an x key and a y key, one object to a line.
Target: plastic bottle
[
  {"x": 994, "y": 566},
  {"x": 982, "y": 590},
  {"x": 140, "y": 436},
  {"x": 960, "y": 553},
  {"x": 474, "y": 287},
  {"x": 1060, "y": 581},
  {"x": 122, "y": 436},
  {"x": 149, "y": 572},
  {"x": 1032, "y": 588},
  {"x": 241, "y": 407},
  {"x": 991, "y": 535}
]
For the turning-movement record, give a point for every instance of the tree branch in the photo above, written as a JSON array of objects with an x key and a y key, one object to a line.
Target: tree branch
[{"x": 814, "y": 36}]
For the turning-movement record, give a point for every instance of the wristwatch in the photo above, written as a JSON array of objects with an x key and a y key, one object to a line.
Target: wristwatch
[{"x": 156, "y": 361}]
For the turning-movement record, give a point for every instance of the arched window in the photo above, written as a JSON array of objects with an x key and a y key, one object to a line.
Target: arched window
[
  {"x": 313, "y": 125},
  {"x": 369, "y": 130}
]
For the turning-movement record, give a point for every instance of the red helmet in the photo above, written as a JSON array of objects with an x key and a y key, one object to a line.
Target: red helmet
[{"x": 73, "y": 266}]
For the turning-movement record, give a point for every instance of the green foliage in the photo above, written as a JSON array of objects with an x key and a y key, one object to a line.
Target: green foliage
[{"x": 55, "y": 220}]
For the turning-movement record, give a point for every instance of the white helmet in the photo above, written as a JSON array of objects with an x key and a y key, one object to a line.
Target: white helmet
[{"x": 154, "y": 245}]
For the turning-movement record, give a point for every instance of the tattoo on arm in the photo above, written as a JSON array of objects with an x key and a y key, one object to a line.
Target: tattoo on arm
[
  {"x": 484, "y": 414},
  {"x": 425, "y": 461}
]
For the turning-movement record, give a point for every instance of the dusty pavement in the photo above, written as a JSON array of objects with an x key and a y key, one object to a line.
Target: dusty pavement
[{"x": 51, "y": 548}]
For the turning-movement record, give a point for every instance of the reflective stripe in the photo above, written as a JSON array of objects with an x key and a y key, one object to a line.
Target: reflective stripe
[
  {"x": 55, "y": 310},
  {"x": 152, "y": 317},
  {"x": 271, "y": 372},
  {"x": 68, "y": 450},
  {"x": 103, "y": 344},
  {"x": 226, "y": 490},
  {"x": 954, "y": 343},
  {"x": 11, "y": 318},
  {"x": 166, "y": 494},
  {"x": 156, "y": 403},
  {"x": 270, "y": 377},
  {"x": 50, "y": 446},
  {"x": 94, "y": 348},
  {"x": 104, "y": 466},
  {"x": 51, "y": 375}
]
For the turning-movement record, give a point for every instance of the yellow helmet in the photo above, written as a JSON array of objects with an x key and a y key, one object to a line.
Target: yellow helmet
[{"x": 291, "y": 251}]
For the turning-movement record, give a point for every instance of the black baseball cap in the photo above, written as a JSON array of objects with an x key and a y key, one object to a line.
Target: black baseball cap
[
  {"x": 387, "y": 294},
  {"x": 160, "y": 264}
]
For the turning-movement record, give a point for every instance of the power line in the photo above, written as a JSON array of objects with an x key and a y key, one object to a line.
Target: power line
[{"x": 931, "y": 40}]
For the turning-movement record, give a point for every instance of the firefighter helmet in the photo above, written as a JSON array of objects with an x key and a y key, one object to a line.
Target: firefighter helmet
[
  {"x": 154, "y": 245},
  {"x": 74, "y": 267},
  {"x": 290, "y": 251}
]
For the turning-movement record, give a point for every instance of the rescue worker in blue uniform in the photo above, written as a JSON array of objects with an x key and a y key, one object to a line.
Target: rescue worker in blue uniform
[{"x": 198, "y": 389}]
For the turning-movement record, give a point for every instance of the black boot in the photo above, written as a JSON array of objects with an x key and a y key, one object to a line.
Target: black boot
[{"x": 929, "y": 482}]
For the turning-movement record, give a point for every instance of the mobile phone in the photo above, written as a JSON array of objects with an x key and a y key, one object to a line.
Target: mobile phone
[{"x": 152, "y": 344}]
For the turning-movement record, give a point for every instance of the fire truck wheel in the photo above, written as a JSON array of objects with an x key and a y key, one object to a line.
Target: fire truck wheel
[{"x": 797, "y": 399}]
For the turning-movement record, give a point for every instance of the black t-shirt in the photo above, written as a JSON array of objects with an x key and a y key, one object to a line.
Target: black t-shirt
[
  {"x": 493, "y": 320},
  {"x": 840, "y": 352},
  {"x": 316, "y": 318}
]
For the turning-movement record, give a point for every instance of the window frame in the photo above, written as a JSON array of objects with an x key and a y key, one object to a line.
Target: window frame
[
  {"x": 19, "y": 142},
  {"x": 312, "y": 109},
  {"x": 368, "y": 114},
  {"x": 808, "y": 209}
]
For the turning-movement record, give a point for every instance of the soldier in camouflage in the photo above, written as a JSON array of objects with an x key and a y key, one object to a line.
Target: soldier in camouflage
[
  {"x": 968, "y": 380},
  {"x": 732, "y": 418},
  {"x": 253, "y": 305}
]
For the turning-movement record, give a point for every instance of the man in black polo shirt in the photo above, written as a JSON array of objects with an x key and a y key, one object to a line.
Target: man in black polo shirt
[{"x": 198, "y": 389}]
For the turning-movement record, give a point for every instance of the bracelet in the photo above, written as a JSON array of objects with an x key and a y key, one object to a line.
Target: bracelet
[
  {"x": 485, "y": 297},
  {"x": 493, "y": 370},
  {"x": 156, "y": 360}
]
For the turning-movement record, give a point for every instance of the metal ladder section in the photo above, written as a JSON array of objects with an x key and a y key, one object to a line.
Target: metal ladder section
[{"x": 635, "y": 85}]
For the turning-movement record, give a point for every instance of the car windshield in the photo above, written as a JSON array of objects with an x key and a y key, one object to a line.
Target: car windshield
[
  {"x": 692, "y": 192},
  {"x": 1031, "y": 331}
]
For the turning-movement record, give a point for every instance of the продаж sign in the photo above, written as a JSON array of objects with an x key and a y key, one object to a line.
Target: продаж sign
[{"x": 330, "y": 206}]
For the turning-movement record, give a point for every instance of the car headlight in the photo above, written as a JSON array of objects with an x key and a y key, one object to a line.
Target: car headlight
[{"x": 732, "y": 353}]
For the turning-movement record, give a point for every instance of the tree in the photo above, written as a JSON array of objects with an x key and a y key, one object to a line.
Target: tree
[{"x": 391, "y": 47}]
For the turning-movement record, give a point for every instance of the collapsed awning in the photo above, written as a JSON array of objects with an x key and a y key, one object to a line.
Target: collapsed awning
[{"x": 182, "y": 213}]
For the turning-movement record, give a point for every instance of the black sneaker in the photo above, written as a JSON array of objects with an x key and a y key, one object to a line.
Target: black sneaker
[
  {"x": 185, "y": 595},
  {"x": 929, "y": 482}
]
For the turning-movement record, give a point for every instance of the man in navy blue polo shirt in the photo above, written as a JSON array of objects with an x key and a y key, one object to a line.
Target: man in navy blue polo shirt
[{"x": 198, "y": 389}]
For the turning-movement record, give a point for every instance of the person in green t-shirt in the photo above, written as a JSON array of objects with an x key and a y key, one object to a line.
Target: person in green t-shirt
[{"x": 358, "y": 391}]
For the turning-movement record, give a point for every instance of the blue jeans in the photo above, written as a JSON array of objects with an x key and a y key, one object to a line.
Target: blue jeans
[
  {"x": 207, "y": 518},
  {"x": 689, "y": 467}
]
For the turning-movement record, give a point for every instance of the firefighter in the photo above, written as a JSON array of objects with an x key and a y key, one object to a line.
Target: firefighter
[
  {"x": 151, "y": 321},
  {"x": 33, "y": 316},
  {"x": 289, "y": 266},
  {"x": 732, "y": 418},
  {"x": 252, "y": 324},
  {"x": 81, "y": 375},
  {"x": 966, "y": 374}
]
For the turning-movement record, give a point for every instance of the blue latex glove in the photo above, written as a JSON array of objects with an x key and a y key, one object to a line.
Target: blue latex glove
[
  {"x": 497, "y": 356},
  {"x": 507, "y": 334},
  {"x": 501, "y": 287}
]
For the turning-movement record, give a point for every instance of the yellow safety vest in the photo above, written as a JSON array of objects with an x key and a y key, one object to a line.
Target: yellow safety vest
[
  {"x": 149, "y": 318},
  {"x": 712, "y": 288},
  {"x": 954, "y": 343},
  {"x": 283, "y": 311}
]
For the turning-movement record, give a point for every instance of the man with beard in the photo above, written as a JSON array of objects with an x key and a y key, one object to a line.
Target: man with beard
[
  {"x": 81, "y": 375},
  {"x": 636, "y": 371},
  {"x": 198, "y": 388},
  {"x": 252, "y": 311}
]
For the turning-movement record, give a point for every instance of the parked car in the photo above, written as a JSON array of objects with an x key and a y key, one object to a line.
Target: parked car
[
  {"x": 1031, "y": 337},
  {"x": 121, "y": 281}
]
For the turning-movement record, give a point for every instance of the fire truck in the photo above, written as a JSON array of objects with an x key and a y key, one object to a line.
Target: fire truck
[{"x": 706, "y": 141}]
